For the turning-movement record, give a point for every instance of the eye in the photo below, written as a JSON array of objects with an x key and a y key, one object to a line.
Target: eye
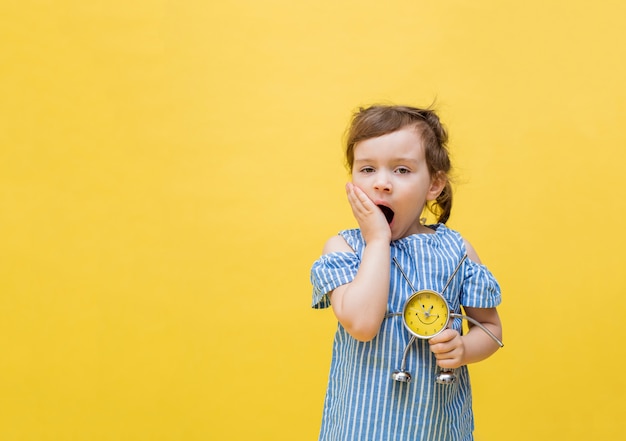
[
  {"x": 367, "y": 169},
  {"x": 402, "y": 170}
]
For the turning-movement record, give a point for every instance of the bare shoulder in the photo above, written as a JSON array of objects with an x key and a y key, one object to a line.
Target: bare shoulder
[
  {"x": 471, "y": 252},
  {"x": 337, "y": 244}
]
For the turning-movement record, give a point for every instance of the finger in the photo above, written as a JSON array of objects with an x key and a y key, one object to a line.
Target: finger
[
  {"x": 442, "y": 353},
  {"x": 450, "y": 363},
  {"x": 361, "y": 203},
  {"x": 439, "y": 347},
  {"x": 362, "y": 196},
  {"x": 355, "y": 199},
  {"x": 443, "y": 337}
]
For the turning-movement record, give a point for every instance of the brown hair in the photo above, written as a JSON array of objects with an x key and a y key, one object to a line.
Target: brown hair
[{"x": 379, "y": 120}]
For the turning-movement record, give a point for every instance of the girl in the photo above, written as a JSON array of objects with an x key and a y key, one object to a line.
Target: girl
[{"x": 400, "y": 165}]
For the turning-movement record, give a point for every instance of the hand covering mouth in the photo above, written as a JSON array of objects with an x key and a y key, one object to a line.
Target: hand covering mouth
[{"x": 388, "y": 212}]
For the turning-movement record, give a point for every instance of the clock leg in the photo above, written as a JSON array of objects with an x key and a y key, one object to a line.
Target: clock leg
[
  {"x": 446, "y": 376},
  {"x": 402, "y": 375}
]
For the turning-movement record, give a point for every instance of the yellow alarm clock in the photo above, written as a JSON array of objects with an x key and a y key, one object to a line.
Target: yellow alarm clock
[{"x": 426, "y": 314}]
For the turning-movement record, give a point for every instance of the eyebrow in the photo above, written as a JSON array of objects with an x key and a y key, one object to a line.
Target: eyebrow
[{"x": 394, "y": 160}]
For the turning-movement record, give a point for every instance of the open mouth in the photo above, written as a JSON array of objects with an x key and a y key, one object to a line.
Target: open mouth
[{"x": 388, "y": 212}]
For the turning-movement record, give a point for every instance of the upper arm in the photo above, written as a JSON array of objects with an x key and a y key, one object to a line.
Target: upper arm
[
  {"x": 484, "y": 315},
  {"x": 360, "y": 304},
  {"x": 333, "y": 245},
  {"x": 338, "y": 244}
]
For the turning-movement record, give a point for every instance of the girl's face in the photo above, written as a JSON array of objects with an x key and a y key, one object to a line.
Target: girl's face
[{"x": 392, "y": 171}]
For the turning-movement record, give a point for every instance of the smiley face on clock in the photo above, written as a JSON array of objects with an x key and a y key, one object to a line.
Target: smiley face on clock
[{"x": 426, "y": 314}]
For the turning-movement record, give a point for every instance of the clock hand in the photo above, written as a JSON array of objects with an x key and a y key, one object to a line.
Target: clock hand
[{"x": 427, "y": 313}]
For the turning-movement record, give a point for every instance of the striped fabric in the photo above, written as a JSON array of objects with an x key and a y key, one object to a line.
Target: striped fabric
[{"x": 362, "y": 401}]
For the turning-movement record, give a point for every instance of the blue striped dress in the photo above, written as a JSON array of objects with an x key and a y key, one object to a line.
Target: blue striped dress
[{"x": 362, "y": 401}]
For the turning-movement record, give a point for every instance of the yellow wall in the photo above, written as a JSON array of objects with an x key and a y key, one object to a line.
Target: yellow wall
[{"x": 170, "y": 170}]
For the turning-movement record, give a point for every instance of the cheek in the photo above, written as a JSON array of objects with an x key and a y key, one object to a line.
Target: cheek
[{"x": 360, "y": 181}]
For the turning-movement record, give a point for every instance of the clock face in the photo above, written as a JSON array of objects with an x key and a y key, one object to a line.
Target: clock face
[{"x": 426, "y": 314}]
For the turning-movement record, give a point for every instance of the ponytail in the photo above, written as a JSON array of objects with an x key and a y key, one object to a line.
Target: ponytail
[{"x": 444, "y": 204}]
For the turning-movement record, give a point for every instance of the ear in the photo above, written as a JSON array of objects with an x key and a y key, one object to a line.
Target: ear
[{"x": 437, "y": 184}]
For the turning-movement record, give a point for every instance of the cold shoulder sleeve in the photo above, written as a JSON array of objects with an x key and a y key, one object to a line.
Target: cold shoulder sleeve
[
  {"x": 480, "y": 287},
  {"x": 329, "y": 272}
]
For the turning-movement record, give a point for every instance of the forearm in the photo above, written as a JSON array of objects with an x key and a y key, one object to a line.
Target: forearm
[
  {"x": 478, "y": 344},
  {"x": 453, "y": 350},
  {"x": 360, "y": 306}
]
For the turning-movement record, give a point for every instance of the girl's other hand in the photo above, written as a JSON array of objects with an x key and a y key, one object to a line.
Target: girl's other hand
[
  {"x": 449, "y": 349},
  {"x": 370, "y": 218}
]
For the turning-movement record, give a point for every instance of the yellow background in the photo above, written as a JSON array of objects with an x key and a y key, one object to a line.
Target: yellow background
[{"x": 170, "y": 170}]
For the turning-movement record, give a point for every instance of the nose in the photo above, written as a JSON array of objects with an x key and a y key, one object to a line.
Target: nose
[{"x": 382, "y": 182}]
